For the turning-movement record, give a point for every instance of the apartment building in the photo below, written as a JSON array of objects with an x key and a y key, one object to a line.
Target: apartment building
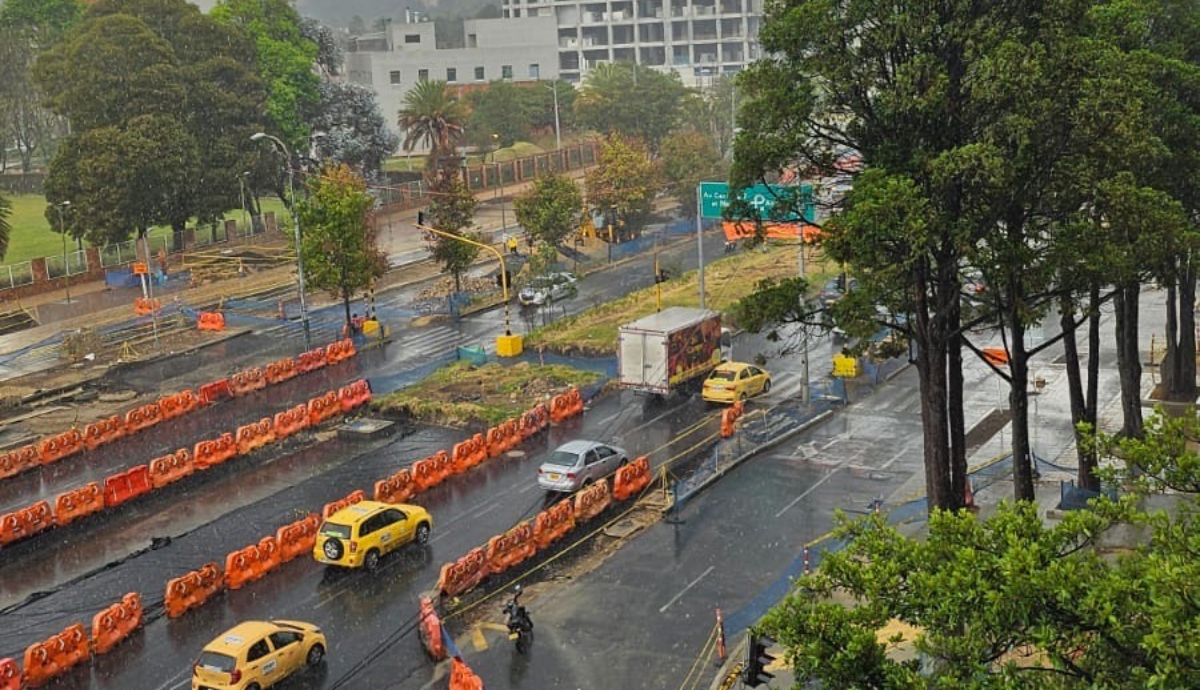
[
  {"x": 392, "y": 62},
  {"x": 699, "y": 39}
]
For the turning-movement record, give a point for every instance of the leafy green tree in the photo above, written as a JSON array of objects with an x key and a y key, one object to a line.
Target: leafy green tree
[
  {"x": 285, "y": 60},
  {"x": 636, "y": 103},
  {"x": 433, "y": 117},
  {"x": 339, "y": 235},
  {"x": 552, "y": 210},
  {"x": 497, "y": 117},
  {"x": 453, "y": 210},
  {"x": 688, "y": 157},
  {"x": 624, "y": 182},
  {"x": 537, "y": 107},
  {"x": 5, "y": 226},
  {"x": 355, "y": 131}
]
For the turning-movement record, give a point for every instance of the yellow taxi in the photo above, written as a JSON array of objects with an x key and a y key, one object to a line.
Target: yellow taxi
[
  {"x": 258, "y": 654},
  {"x": 733, "y": 381},
  {"x": 358, "y": 535}
]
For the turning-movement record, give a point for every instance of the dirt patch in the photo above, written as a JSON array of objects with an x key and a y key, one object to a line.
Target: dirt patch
[{"x": 464, "y": 394}]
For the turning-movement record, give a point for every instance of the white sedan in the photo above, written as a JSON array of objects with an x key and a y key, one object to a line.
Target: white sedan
[{"x": 547, "y": 288}]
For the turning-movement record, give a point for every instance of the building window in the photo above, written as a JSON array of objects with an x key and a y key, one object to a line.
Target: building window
[
  {"x": 451, "y": 74},
  {"x": 422, "y": 75},
  {"x": 535, "y": 71},
  {"x": 479, "y": 74},
  {"x": 394, "y": 77},
  {"x": 412, "y": 38},
  {"x": 506, "y": 72}
]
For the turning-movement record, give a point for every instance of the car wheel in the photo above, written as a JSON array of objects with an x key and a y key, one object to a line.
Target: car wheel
[
  {"x": 767, "y": 386},
  {"x": 371, "y": 562},
  {"x": 315, "y": 655},
  {"x": 253, "y": 686},
  {"x": 742, "y": 397},
  {"x": 423, "y": 533},
  {"x": 333, "y": 549}
]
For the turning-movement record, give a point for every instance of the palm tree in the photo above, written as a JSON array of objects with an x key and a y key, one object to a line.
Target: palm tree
[
  {"x": 5, "y": 228},
  {"x": 434, "y": 117}
]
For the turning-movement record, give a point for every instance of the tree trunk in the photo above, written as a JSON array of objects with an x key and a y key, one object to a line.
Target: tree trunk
[
  {"x": 1093, "y": 383},
  {"x": 954, "y": 410},
  {"x": 1085, "y": 477},
  {"x": 1168, "y": 369},
  {"x": 1179, "y": 364},
  {"x": 1018, "y": 401},
  {"x": 931, "y": 364},
  {"x": 1129, "y": 365}
]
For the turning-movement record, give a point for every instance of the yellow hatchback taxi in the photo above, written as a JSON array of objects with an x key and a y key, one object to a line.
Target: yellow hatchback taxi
[
  {"x": 358, "y": 535},
  {"x": 733, "y": 381},
  {"x": 255, "y": 655}
]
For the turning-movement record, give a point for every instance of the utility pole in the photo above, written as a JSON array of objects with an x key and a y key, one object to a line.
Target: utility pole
[{"x": 805, "y": 394}]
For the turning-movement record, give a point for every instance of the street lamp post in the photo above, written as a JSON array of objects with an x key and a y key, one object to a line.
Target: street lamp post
[
  {"x": 499, "y": 183},
  {"x": 62, "y": 226},
  {"x": 245, "y": 213},
  {"x": 296, "y": 227}
]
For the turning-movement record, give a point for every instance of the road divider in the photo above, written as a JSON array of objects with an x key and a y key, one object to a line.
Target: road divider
[
  {"x": 631, "y": 479},
  {"x": 72, "y": 505},
  {"x": 16, "y": 461},
  {"x": 192, "y": 589},
  {"x": 51, "y": 658},
  {"x": 111, "y": 626},
  {"x": 334, "y": 506},
  {"x": 511, "y": 548},
  {"x": 298, "y": 537},
  {"x": 430, "y": 630}
]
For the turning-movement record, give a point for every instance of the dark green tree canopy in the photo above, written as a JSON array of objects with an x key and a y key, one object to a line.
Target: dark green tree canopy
[
  {"x": 552, "y": 210},
  {"x": 634, "y": 102}
]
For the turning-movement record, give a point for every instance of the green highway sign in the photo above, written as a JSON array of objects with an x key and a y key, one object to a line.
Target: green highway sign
[{"x": 714, "y": 197}]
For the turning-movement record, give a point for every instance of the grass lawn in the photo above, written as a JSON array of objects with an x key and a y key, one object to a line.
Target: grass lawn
[
  {"x": 726, "y": 280},
  {"x": 33, "y": 237}
]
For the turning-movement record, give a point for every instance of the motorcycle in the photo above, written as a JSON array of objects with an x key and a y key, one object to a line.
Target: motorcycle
[{"x": 520, "y": 627}]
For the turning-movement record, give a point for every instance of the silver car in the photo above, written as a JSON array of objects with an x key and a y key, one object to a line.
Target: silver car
[
  {"x": 579, "y": 463},
  {"x": 547, "y": 288}
]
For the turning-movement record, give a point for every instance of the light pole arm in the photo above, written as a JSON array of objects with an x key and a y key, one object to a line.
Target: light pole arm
[{"x": 499, "y": 255}]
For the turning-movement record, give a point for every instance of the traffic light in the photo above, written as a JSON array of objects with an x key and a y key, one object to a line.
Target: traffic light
[{"x": 757, "y": 660}]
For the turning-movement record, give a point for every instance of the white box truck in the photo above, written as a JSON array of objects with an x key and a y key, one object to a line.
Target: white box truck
[{"x": 674, "y": 349}]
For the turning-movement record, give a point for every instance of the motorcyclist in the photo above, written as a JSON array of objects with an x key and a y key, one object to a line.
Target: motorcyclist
[{"x": 519, "y": 623}]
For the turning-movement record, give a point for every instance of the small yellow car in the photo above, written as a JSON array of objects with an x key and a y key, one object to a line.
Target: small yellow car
[
  {"x": 258, "y": 654},
  {"x": 733, "y": 381},
  {"x": 358, "y": 535}
]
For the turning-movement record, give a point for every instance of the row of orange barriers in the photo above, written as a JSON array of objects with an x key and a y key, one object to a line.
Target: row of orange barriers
[
  {"x": 297, "y": 537},
  {"x": 729, "y": 418},
  {"x": 325, "y": 407},
  {"x": 50, "y": 658},
  {"x": 291, "y": 421},
  {"x": 124, "y": 486},
  {"x": 59, "y": 446},
  {"x": 251, "y": 563},
  {"x": 566, "y": 405},
  {"x": 527, "y": 538},
  {"x": 210, "y": 321},
  {"x": 349, "y": 500},
  {"x": 430, "y": 631}
]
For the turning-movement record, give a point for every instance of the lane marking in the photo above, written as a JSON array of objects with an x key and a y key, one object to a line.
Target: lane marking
[
  {"x": 811, "y": 489},
  {"x": 903, "y": 451},
  {"x": 174, "y": 682},
  {"x": 485, "y": 511},
  {"x": 685, "y": 589}
]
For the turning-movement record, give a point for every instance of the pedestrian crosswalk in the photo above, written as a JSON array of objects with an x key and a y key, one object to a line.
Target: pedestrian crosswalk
[{"x": 429, "y": 341}]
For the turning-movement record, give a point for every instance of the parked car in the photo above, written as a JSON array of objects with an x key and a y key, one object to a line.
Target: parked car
[
  {"x": 732, "y": 381},
  {"x": 576, "y": 464},
  {"x": 258, "y": 654},
  {"x": 548, "y": 288},
  {"x": 359, "y": 535}
]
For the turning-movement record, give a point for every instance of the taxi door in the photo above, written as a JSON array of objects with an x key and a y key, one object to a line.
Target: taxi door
[
  {"x": 399, "y": 527},
  {"x": 286, "y": 653}
]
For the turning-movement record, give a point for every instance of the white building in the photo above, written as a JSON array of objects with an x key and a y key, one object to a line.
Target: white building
[
  {"x": 699, "y": 39},
  {"x": 518, "y": 50}
]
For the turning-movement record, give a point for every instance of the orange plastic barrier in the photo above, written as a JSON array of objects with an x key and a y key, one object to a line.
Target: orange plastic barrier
[
  {"x": 144, "y": 307},
  {"x": 241, "y": 566},
  {"x": 354, "y": 395},
  {"x": 339, "y": 350},
  {"x": 592, "y": 501},
  {"x": 210, "y": 321},
  {"x": 142, "y": 417},
  {"x": 297, "y": 538},
  {"x": 463, "y": 574},
  {"x": 560, "y": 411},
  {"x": 426, "y": 474},
  {"x": 77, "y": 503},
  {"x": 574, "y": 402},
  {"x": 554, "y": 522},
  {"x": 280, "y": 371},
  {"x": 290, "y": 421},
  {"x": 25, "y": 522},
  {"x": 215, "y": 451},
  {"x": 10, "y": 675},
  {"x": 193, "y": 589},
  {"x": 497, "y": 441},
  {"x": 169, "y": 469},
  {"x": 349, "y": 500},
  {"x": 311, "y": 360},
  {"x": 431, "y": 631},
  {"x": 442, "y": 465},
  {"x": 514, "y": 546},
  {"x": 17, "y": 461},
  {"x": 177, "y": 404},
  {"x": 248, "y": 381},
  {"x": 462, "y": 677},
  {"x": 112, "y": 625},
  {"x": 323, "y": 408},
  {"x": 728, "y": 423},
  {"x": 397, "y": 488},
  {"x": 217, "y": 390},
  {"x": 268, "y": 556},
  {"x": 45, "y": 661},
  {"x": 127, "y": 485},
  {"x": 63, "y": 445},
  {"x": 255, "y": 435},
  {"x": 631, "y": 478},
  {"x": 104, "y": 431}
]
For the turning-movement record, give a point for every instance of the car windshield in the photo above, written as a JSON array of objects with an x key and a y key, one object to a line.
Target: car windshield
[
  {"x": 561, "y": 459},
  {"x": 331, "y": 529},
  {"x": 217, "y": 662},
  {"x": 722, "y": 376}
]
